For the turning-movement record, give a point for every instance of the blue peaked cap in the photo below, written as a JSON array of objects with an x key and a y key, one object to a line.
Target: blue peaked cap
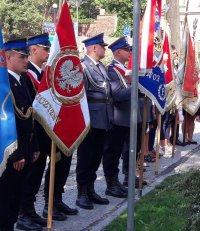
[
  {"x": 18, "y": 45},
  {"x": 119, "y": 43},
  {"x": 97, "y": 39},
  {"x": 42, "y": 39}
]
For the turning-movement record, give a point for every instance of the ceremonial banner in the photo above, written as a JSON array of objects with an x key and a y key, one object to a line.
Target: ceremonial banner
[
  {"x": 147, "y": 36},
  {"x": 169, "y": 79},
  {"x": 60, "y": 104},
  {"x": 151, "y": 72},
  {"x": 190, "y": 86},
  {"x": 8, "y": 135},
  {"x": 190, "y": 78}
]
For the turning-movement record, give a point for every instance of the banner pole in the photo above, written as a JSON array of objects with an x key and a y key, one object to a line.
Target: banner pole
[
  {"x": 51, "y": 185},
  {"x": 184, "y": 128},
  {"x": 158, "y": 143},
  {"x": 175, "y": 130},
  {"x": 133, "y": 117},
  {"x": 144, "y": 121}
]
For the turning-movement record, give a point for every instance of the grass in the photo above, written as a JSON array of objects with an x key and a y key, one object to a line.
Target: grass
[{"x": 174, "y": 205}]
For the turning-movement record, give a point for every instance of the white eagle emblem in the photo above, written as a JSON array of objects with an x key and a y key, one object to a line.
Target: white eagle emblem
[{"x": 70, "y": 78}]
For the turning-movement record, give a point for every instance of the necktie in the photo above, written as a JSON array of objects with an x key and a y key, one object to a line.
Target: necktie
[
  {"x": 102, "y": 70},
  {"x": 20, "y": 80},
  {"x": 40, "y": 76}
]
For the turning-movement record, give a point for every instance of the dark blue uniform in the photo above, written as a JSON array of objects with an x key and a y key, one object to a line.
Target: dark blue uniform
[
  {"x": 116, "y": 137},
  {"x": 90, "y": 151},
  {"x": 11, "y": 181},
  {"x": 101, "y": 115},
  {"x": 121, "y": 93},
  {"x": 34, "y": 178}
]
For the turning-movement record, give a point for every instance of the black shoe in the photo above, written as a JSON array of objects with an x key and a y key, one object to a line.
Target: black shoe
[
  {"x": 84, "y": 202},
  {"x": 26, "y": 223},
  {"x": 38, "y": 219},
  {"x": 179, "y": 143},
  {"x": 56, "y": 214},
  {"x": 94, "y": 197},
  {"x": 60, "y": 205},
  {"x": 192, "y": 142},
  {"x": 137, "y": 180},
  {"x": 113, "y": 187},
  {"x": 82, "y": 199},
  {"x": 116, "y": 192},
  {"x": 123, "y": 187}
]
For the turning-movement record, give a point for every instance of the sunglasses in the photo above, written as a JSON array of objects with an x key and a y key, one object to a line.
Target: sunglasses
[
  {"x": 126, "y": 49},
  {"x": 46, "y": 48}
]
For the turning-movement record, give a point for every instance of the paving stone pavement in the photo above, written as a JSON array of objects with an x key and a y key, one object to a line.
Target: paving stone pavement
[{"x": 184, "y": 159}]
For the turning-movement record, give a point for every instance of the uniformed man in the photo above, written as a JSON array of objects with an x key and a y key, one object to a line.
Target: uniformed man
[
  {"x": 90, "y": 151},
  {"x": 121, "y": 93},
  {"x": 11, "y": 182},
  {"x": 39, "y": 47},
  {"x": 118, "y": 137}
]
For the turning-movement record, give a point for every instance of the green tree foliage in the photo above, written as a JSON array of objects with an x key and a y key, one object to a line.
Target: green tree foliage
[
  {"x": 123, "y": 9},
  {"x": 22, "y": 18},
  {"x": 88, "y": 9}
]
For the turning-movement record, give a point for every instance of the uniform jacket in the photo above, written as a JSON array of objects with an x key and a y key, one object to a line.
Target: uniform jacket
[
  {"x": 98, "y": 94},
  {"x": 43, "y": 138},
  {"x": 121, "y": 93},
  {"x": 27, "y": 141}
]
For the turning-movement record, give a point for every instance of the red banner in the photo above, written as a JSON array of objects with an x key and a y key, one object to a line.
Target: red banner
[{"x": 61, "y": 104}]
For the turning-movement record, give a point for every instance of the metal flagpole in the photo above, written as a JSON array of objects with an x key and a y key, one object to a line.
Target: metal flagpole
[{"x": 133, "y": 119}]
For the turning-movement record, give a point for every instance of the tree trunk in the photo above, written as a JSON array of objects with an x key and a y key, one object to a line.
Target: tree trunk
[{"x": 173, "y": 18}]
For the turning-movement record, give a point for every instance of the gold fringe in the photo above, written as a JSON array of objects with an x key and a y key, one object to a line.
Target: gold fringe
[
  {"x": 67, "y": 151},
  {"x": 8, "y": 151},
  {"x": 171, "y": 95}
]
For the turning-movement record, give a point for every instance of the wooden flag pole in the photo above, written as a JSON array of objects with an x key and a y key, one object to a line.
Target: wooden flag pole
[
  {"x": 175, "y": 130},
  {"x": 144, "y": 120},
  {"x": 158, "y": 143},
  {"x": 184, "y": 128},
  {"x": 51, "y": 185}
]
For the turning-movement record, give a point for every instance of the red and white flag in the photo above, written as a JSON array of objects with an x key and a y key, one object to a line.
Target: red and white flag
[
  {"x": 60, "y": 104},
  {"x": 147, "y": 34},
  {"x": 190, "y": 79},
  {"x": 151, "y": 74},
  {"x": 190, "y": 73}
]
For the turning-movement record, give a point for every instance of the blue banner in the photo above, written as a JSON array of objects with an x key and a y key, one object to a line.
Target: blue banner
[
  {"x": 8, "y": 137},
  {"x": 152, "y": 84}
]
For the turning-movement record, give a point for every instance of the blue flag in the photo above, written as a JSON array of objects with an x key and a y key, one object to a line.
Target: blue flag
[
  {"x": 8, "y": 135},
  {"x": 153, "y": 85}
]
